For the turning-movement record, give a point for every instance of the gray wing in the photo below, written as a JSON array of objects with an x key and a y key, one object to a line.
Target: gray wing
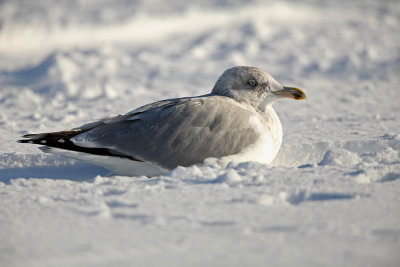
[
  {"x": 119, "y": 118},
  {"x": 178, "y": 132}
]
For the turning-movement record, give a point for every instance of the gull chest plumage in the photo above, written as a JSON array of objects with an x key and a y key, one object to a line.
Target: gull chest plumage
[
  {"x": 235, "y": 122},
  {"x": 268, "y": 129}
]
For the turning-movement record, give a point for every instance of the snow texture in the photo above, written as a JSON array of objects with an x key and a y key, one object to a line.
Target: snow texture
[{"x": 331, "y": 197}]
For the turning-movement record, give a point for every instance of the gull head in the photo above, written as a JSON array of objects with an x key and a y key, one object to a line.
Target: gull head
[{"x": 253, "y": 86}]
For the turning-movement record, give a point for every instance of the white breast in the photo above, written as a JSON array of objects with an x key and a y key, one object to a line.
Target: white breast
[{"x": 265, "y": 149}]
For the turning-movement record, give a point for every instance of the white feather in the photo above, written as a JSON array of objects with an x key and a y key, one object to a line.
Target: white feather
[{"x": 117, "y": 165}]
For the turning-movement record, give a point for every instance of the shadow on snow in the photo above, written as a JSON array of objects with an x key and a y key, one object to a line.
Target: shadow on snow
[{"x": 76, "y": 172}]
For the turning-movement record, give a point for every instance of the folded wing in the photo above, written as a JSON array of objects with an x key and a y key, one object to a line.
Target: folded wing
[{"x": 167, "y": 133}]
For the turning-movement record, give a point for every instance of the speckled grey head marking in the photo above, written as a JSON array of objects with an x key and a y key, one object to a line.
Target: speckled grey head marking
[{"x": 246, "y": 84}]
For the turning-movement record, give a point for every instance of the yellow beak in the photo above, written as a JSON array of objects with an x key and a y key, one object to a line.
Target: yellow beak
[{"x": 291, "y": 92}]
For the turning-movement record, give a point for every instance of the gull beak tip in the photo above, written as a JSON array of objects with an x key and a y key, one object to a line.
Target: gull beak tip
[{"x": 299, "y": 95}]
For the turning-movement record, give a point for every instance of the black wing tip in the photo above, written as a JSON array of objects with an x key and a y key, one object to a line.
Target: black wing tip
[
  {"x": 31, "y": 138},
  {"x": 28, "y": 135},
  {"x": 59, "y": 140}
]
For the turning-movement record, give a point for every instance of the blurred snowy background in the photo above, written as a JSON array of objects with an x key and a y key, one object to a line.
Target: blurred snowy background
[{"x": 331, "y": 198}]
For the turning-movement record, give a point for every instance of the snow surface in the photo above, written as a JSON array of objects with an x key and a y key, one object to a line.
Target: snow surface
[{"x": 331, "y": 198}]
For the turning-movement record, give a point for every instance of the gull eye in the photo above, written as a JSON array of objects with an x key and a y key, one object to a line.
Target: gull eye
[{"x": 253, "y": 82}]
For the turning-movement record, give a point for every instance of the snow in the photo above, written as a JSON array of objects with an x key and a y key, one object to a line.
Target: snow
[{"x": 331, "y": 197}]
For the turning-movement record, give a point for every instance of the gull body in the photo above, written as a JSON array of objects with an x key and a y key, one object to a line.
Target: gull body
[{"x": 235, "y": 122}]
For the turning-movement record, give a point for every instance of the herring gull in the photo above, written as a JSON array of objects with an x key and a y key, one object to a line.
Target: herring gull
[{"x": 235, "y": 122}]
